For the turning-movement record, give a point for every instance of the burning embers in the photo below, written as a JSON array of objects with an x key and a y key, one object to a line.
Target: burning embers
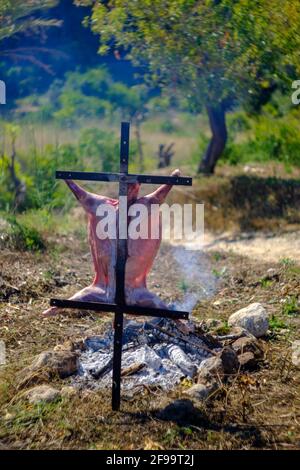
[{"x": 155, "y": 354}]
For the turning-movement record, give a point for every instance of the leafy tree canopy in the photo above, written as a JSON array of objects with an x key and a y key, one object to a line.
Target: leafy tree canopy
[
  {"x": 216, "y": 51},
  {"x": 16, "y": 16}
]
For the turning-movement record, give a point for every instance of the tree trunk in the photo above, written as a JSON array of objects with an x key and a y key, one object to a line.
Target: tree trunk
[
  {"x": 216, "y": 115},
  {"x": 139, "y": 145}
]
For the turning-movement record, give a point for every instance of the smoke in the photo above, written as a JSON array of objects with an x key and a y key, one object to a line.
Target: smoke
[{"x": 197, "y": 279}]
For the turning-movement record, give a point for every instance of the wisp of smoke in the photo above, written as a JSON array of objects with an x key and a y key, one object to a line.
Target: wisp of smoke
[{"x": 198, "y": 278}]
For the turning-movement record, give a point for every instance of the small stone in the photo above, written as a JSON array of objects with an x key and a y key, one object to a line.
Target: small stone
[
  {"x": 296, "y": 353},
  {"x": 201, "y": 391},
  {"x": 253, "y": 318},
  {"x": 247, "y": 361},
  {"x": 229, "y": 360},
  {"x": 67, "y": 391},
  {"x": 211, "y": 368},
  {"x": 245, "y": 344},
  {"x": 42, "y": 393},
  {"x": 272, "y": 274}
]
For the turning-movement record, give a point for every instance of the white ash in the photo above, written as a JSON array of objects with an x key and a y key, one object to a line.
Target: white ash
[{"x": 166, "y": 359}]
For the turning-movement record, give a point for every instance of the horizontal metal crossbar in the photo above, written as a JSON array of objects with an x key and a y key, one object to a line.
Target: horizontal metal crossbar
[
  {"x": 129, "y": 309},
  {"x": 116, "y": 177}
]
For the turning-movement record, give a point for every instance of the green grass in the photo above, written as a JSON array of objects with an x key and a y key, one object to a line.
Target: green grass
[
  {"x": 183, "y": 285},
  {"x": 266, "y": 283},
  {"x": 275, "y": 323},
  {"x": 291, "y": 306},
  {"x": 223, "y": 329},
  {"x": 287, "y": 262}
]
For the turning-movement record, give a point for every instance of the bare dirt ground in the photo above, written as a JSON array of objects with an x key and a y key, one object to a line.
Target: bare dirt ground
[
  {"x": 266, "y": 247},
  {"x": 260, "y": 409}
]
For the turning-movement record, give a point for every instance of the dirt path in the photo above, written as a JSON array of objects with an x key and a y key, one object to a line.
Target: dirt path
[{"x": 268, "y": 248}]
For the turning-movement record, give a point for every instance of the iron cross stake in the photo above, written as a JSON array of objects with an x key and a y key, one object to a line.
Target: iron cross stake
[{"x": 120, "y": 307}]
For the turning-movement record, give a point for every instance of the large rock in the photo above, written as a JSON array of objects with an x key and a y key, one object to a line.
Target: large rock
[
  {"x": 253, "y": 318},
  {"x": 48, "y": 364},
  {"x": 42, "y": 393}
]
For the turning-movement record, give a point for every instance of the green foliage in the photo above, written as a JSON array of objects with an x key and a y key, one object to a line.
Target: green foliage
[
  {"x": 276, "y": 323},
  {"x": 44, "y": 189},
  {"x": 213, "y": 53},
  {"x": 22, "y": 237},
  {"x": 87, "y": 95},
  {"x": 265, "y": 283},
  {"x": 15, "y": 16},
  {"x": 183, "y": 285},
  {"x": 287, "y": 262},
  {"x": 37, "y": 171},
  {"x": 265, "y": 138},
  {"x": 168, "y": 127},
  {"x": 223, "y": 329},
  {"x": 218, "y": 51},
  {"x": 100, "y": 145},
  {"x": 238, "y": 122}
]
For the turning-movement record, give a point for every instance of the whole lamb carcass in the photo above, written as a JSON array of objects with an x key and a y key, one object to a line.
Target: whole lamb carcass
[{"x": 140, "y": 252}]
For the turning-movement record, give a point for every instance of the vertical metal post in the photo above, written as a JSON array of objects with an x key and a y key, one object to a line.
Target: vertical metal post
[{"x": 120, "y": 267}]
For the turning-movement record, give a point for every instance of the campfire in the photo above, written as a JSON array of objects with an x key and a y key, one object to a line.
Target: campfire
[{"x": 155, "y": 354}]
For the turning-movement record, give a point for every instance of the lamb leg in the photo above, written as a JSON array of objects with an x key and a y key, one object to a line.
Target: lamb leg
[{"x": 88, "y": 294}]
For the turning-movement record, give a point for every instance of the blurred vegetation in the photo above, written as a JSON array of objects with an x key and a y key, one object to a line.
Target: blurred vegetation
[{"x": 72, "y": 121}]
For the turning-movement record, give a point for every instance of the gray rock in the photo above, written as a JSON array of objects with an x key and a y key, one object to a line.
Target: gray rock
[
  {"x": 201, "y": 391},
  {"x": 211, "y": 369},
  {"x": 253, "y": 318},
  {"x": 42, "y": 393}
]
